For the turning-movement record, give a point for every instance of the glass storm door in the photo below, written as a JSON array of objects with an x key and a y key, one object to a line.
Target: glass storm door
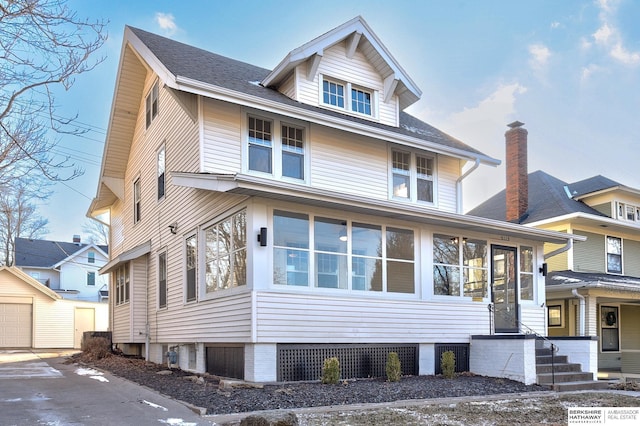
[{"x": 503, "y": 289}]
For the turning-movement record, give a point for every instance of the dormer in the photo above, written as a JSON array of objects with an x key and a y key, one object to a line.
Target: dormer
[
  {"x": 347, "y": 70},
  {"x": 609, "y": 197}
]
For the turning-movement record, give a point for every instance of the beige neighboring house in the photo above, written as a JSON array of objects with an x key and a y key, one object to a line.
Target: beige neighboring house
[
  {"x": 263, "y": 220},
  {"x": 34, "y": 316},
  {"x": 592, "y": 286}
]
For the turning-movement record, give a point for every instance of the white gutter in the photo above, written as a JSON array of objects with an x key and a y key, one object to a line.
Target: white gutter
[
  {"x": 582, "y": 309},
  {"x": 562, "y": 249},
  {"x": 459, "y": 185}
]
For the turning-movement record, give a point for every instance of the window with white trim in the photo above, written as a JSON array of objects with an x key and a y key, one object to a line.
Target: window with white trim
[
  {"x": 191, "y": 255},
  {"x": 628, "y": 212},
  {"x": 526, "y": 273},
  {"x": 276, "y": 147},
  {"x": 136, "y": 201},
  {"x": 226, "y": 253},
  {"x": 348, "y": 97},
  {"x": 162, "y": 280},
  {"x": 161, "y": 171},
  {"x": 121, "y": 278},
  {"x": 91, "y": 257},
  {"x": 151, "y": 105},
  {"x": 412, "y": 176},
  {"x": 344, "y": 255},
  {"x": 91, "y": 278},
  {"x": 614, "y": 255},
  {"x": 459, "y": 266}
]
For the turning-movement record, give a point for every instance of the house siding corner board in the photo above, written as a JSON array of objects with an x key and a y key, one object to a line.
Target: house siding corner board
[
  {"x": 289, "y": 318},
  {"x": 356, "y": 70}
]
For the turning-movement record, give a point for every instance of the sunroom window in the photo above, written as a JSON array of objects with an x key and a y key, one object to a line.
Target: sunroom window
[
  {"x": 460, "y": 266},
  {"x": 378, "y": 258}
]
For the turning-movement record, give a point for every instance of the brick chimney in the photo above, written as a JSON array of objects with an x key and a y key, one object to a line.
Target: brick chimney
[
  {"x": 76, "y": 239},
  {"x": 517, "y": 190}
]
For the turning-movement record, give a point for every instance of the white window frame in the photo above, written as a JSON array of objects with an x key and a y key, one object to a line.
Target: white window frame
[
  {"x": 276, "y": 146},
  {"x": 91, "y": 257},
  {"x": 152, "y": 104},
  {"x": 187, "y": 237},
  {"x": 348, "y": 99},
  {"x": 459, "y": 241},
  {"x": 163, "y": 253},
  {"x": 89, "y": 274},
  {"x": 413, "y": 176},
  {"x": 627, "y": 212},
  {"x": 312, "y": 252},
  {"x": 606, "y": 253},
  {"x": 161, "y": 171},
  {"x": 137, "y": 200},
  {"x": 122, "y": 283}
]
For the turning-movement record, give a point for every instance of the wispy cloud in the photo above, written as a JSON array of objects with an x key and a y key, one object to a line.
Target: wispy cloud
[
  {"x": 167, "y": 23},
  {"x": 540, "y": 55},
  {"x": 609, "y": 37}
]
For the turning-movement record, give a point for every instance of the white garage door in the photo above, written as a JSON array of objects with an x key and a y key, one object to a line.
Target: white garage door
[{"x": 15, "y": 325}]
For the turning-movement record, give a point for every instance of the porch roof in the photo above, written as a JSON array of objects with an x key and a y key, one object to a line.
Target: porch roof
[
  {"x": 248, "y": 185},
  {"x": 567, "y": 280}
]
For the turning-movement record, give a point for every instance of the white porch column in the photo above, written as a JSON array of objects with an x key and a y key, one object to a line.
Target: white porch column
[
  {"x": 260, "y": 362},
  {"x": 426, "y": 361},
  {"x": 591, "y": 320}
]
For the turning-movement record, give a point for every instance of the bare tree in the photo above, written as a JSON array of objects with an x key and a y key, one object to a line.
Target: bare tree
[
  {"x": 43, "y": 45},
  {"x": 19, "y": 217},
  {"x": 98, "y": 232}
]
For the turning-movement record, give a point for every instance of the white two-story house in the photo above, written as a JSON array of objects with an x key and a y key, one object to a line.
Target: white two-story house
[{"x": 264, "y": 220}]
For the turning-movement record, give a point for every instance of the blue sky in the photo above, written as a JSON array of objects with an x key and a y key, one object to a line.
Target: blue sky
[{"x": 570, "y": 70}]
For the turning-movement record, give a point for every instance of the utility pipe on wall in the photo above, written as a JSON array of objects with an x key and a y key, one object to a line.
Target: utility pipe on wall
[{"x": 582, "y": 309}]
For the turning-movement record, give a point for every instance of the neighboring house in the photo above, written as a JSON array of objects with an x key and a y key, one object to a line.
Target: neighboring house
[
  {"x": 593, "y": 287},
  {"x": 34, "y": 316},
  {"x": 263, "y": 220},
  {"x": 68, "y": 268}
]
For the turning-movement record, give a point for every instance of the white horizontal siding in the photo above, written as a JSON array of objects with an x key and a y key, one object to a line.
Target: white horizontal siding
[
  {"x": 222, "y": 145},
  {"x": 448, "y": 173},
  {"x": 289, "y": 318},
  {"x": 533, "y": 319},
  {"x": 352, "y": 163}
]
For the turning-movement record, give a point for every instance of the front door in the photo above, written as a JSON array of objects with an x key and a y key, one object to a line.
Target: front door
[{"x": 503, "y": 289}]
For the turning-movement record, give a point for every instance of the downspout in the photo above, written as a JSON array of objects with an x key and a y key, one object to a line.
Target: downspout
[
  {"x": 582, "y": 309},
  {"x": 562, "y": 249},
  {"x": 459, "y": 185}
]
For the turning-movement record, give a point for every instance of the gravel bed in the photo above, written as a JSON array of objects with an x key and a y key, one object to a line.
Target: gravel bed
[{"x": 205, "y": 390}]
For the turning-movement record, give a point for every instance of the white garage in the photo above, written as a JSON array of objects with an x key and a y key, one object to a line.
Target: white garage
[
  {"x": 16, "y": 322},
  {"x": 34, "y": 316}
]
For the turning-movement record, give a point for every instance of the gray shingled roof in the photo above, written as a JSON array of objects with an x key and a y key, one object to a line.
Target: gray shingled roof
[
  {"x": 547, "y": 199},
  {"x": 45, "y": 254},
  {"x": 203, "y": 66},
  {"x": 590, "y": 279},
  {"x": 591, "y": 185}
]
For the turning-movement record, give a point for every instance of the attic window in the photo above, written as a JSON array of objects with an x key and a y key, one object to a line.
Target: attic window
[{"x": 347, "y": 97}]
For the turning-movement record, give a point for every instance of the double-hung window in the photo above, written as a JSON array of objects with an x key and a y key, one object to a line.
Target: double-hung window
[
  {"x": 412, "y": 176},
  {"x": 151, "y": 104},
  {"x": 614, "y": 255},
  {"x": 91, "y": 257},
  {"x": 260, "y": 145},
  {"x": 91, "y": 278},
  {"x": 276, "y": 147}
]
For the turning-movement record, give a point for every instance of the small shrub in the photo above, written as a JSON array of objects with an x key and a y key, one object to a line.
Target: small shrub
[
  {"x": 393, "y": 367},
  {"x": 448, "y": 364},
  {"x": 331, "y": 371},
  {"x": 97, "y": 348}
]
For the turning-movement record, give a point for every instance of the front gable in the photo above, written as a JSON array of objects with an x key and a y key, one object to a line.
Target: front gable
[{"x": 352, "y": 57}]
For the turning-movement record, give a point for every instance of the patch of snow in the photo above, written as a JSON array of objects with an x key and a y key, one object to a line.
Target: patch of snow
[
  {"x": 567, "y": 279},
  {"x": 177, "y": 422},
  {"x": 255, "y": 83},
  {"x": 154, "y": 405},
  {"x": 93, "y": 374}
]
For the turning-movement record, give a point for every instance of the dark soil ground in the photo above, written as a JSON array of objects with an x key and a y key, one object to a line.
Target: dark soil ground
[{"x": 206, "y": 391}]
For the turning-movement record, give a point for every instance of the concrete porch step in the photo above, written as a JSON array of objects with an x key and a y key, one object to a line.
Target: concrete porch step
[
  {"x": 558, "y": 368},
  {"x": 581, "y": 385},
  {"x": 563, "y": 377},
  {"x": 547, "y": 359}
]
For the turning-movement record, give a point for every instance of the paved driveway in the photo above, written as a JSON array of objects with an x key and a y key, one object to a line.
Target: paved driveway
[{"x": 37, "y": 388}]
